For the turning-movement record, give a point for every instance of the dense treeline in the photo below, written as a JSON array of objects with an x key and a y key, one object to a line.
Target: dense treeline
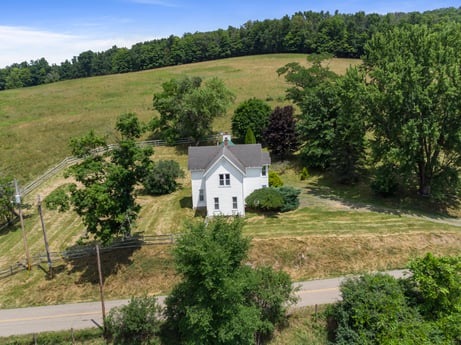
[{"x": 342, "y": 35}]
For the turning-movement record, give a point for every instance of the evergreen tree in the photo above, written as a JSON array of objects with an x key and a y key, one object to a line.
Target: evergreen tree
[{"x": 250, "y": 137}]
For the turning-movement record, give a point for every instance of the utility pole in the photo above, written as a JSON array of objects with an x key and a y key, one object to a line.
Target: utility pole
[
  {"x": 39, "y": 206},
  {"x": 101, "y": 291},
  {"x": 18, "y": 203}
]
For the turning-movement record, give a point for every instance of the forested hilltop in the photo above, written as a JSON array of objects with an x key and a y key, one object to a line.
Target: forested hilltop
[{"x": 342, "y": 35}]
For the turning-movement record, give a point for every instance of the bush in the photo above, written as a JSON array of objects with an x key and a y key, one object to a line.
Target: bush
[
  {"x": 274, "y": 179},
  {"x": 436, "y": 284},
  {"x": 304, "y": 174},
  {"x": 135, "y": 323},
  {"x": 385, "y": 181},
  {"x": 265, "y": 199},
  {"x": 161, "y": 179},
  {"x": 371, "y": 307},
  {"x": 290, "y": 198}
]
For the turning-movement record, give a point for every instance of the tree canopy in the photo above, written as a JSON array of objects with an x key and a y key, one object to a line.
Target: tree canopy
[
  {"x": 280, "y": 135},
  {"x": 252, "y": 113},
  {"x": 220, "y": 300},
  {"x": 162, "y": 177},
  {"x": 343, "y": 35},
  {"x": 187, "y": 107},
  {"x": 331, "y": 127},
  {"x": 415, "y": 105}
]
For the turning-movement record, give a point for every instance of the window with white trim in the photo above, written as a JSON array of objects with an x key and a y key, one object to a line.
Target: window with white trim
[
  {"x": 224, "y": 179},
  {"x": 234, "y": 203},
  {"x": 216, "y": 203}
]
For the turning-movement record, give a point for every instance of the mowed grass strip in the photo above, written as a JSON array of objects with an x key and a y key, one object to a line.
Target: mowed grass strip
[
  {"x": 318, "y": 221},
  {"x": 150, "y": 269}
]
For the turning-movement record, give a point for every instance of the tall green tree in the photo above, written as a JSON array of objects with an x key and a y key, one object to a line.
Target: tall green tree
[
  {"x": 187, "y": 107},
  {"x": 314, "y": 91},
  {"x": 415, "y": 108},
  {"x": 104, "y": 196},
  {"x": 252, "y": 113},
  {"x": 219, "y": 299},
  {"x": 348, "y": 153}
]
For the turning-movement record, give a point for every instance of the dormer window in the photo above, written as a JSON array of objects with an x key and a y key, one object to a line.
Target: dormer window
[{"x": 224, "y": 179}]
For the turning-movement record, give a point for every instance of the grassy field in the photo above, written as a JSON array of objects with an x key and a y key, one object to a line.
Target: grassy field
[
  {"x": 325, "y": 237},
  {"x": 36, "y": 123},
  {"x": 334, "y": 232}
]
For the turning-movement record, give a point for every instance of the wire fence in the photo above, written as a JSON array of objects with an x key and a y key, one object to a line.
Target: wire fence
[{"x": 82, "y": 252}]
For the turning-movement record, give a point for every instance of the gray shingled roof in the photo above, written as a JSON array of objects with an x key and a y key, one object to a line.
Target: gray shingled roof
[{"x": 243, "y": 156}]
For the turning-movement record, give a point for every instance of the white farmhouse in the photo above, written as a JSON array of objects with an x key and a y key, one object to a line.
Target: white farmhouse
[{"x": 223, "y": 176}]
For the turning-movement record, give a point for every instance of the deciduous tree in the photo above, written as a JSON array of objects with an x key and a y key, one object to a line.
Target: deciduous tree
[
  {"x": 252, "y": 113},
  {"x": 219, "y": 299},
  {"x": 416, "y": 104},
  {"x": 331, "y": 126},
  {"x": 187, "y": 108},
  {"x": 314, "y": 92},
  {"x": 105, "y": 194},
  {"x": 280, "y": 135}
]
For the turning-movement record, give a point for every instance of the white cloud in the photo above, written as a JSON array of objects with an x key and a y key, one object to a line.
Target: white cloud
[{"x": 20, "y": 44}]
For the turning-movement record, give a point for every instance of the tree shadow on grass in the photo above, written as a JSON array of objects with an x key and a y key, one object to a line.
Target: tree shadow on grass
[
  {"x": 11, "y": 226},
  {"x": 360, "y": 196},
  {"x": 83, "y": 259},
  {"x": 265, "y": 214},
  {"x": 186, "y": 202},
  {"x": 182, "y": 149}
]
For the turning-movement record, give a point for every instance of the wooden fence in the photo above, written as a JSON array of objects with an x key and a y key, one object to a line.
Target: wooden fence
[
  {"x": 136, "y": 241},
  {"x": 68, "y": 161}
]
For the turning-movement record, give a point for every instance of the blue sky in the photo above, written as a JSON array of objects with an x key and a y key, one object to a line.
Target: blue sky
[{"x": 60, "y": 29}]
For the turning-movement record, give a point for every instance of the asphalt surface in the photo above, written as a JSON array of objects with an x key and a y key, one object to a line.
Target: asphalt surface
[{"x": 35, "y": 320}]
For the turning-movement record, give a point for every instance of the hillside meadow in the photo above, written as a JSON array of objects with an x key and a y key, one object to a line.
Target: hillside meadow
[
  {"x": 334, "y": 232},
  {"x": 36, "y": 123}
]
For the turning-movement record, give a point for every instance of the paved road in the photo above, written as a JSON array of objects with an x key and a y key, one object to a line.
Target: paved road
[{"x": 87, "y": 315}]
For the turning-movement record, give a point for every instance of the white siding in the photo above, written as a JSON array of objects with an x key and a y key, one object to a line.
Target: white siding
[
  {"x": 254, "y": 180},
  {"x": 197, "y": 184},
  {"x": 224, "y": 193}
]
